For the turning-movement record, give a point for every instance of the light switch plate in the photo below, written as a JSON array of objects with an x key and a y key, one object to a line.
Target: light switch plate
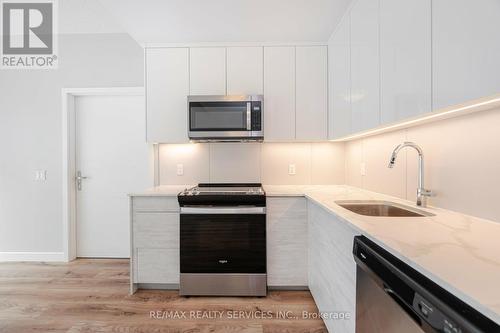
[
  {"x": 180, "y": 169},
  {"x": 40, "y": 175},
  {"x": 291, "y": 169},
  {"x": 362, "y": 168}
]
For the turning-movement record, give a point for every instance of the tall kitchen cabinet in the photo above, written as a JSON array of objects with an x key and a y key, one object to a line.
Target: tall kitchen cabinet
[
  {"x": 296, "y": 93},
  {"x": 339, "y": 78},
  {"x": 405, "y": 59},
  {"x": 380, "y": 65},
  {"x": 279, "y": 93},
  {"x": 365, "y": 69},
  {"x": 167, "y": 85},
  {"x": 244, "y": 70},
  {"x": 311, "y": 93},
  {"x": 466, "y": 50},
  {"x": 293, "y": 80},
  {"x": 207, "y": 71}
]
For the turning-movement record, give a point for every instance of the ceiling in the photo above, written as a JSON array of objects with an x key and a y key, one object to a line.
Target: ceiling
[
  {"x": 86, "y": 17},
  {"x": 200, "y": 21}
]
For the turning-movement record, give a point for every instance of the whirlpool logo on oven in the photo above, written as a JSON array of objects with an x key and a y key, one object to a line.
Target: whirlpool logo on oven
[{"x": 29, "y": 34}]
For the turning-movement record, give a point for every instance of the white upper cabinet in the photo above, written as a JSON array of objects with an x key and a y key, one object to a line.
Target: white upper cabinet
[
  {"x": 311, "y": 93},
  {"x": 466, "y": 50},
  {"x": 339, "y": 60},
  {"x": 365, "y": 65},
  {"x": 405, "y": 59},
  {"x": 244, "y": 71},
  {"x": 167, "y": 88},
  {"x": 207, "y": 70},
  {"x": 279, "y": 93},
  {"x": 295, "y": 81}
]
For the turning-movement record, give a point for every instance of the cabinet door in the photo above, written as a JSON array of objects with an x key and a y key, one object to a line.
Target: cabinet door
[
  {"x": 405, "y": 59},
  {"x": 339, "y": 69},
  {"x": 279, "y": 93},
  {"x": 365, "y": 66},
  {"x": 332, "y": 269},
  {"x": 156, "y": 230},
  {"x": 466, "y": 50},
  {"x": 311, "y": 93},
  {"x": 245, "y": 71},
  {"x": 158, "y": 266},
  {"x": 207, "y": 71},
  {"x": 167, "y": 87},
  {"x": 287, "y": 242}
]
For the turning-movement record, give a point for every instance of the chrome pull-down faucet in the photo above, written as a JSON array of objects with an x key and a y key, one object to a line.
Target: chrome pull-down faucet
[{"x": 422, "y": 193}]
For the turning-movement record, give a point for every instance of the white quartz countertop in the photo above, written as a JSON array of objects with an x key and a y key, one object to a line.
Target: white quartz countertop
[
  {"x": 461, "y": 253},
  {"x": 161, "y": 191}
]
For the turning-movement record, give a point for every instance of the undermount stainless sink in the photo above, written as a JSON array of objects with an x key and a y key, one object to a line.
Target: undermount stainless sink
[{"x": 381, "y": 208}]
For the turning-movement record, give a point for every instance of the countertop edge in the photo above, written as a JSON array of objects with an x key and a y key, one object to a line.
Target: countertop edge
[
  {"x": 484, "y": 309},
  {"x": 307, "y": 191}
]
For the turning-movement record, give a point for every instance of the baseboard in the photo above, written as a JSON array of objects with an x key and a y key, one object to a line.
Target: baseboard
[
  {"x": 163, "y": 286},
  {"x": 297, "y": 288},
  {"x": 32, "y": 256}
]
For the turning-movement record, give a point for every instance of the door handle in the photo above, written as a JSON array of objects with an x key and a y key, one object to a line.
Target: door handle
[
  {"x": 79, "y": 179},
  {"x": 223, "y": 210},
  {"x": 407, "y": 308},
  {"x": 249, "y": 116}
]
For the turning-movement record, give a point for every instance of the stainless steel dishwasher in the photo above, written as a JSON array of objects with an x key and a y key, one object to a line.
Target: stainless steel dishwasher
[{"x": 393, "y": 297}]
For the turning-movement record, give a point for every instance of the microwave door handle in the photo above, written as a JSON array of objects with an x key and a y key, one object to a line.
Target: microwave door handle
[{"x": 249, "y": 116}]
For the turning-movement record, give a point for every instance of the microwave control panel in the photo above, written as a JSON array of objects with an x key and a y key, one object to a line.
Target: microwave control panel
[{"x": 257, "y": 116}]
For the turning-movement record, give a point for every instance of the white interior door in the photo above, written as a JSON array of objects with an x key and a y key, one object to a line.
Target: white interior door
[{"x": 111, "y": 151}]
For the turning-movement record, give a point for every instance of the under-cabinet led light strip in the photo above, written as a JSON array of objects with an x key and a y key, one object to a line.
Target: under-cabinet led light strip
[{"x": 474, "y": 106}]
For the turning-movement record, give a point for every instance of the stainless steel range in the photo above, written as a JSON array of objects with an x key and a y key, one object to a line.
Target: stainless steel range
[{"x": 223, "y": 240}]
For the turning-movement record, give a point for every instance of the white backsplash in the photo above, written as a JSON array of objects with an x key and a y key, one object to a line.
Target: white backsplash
[
  {"x": 268, "y": 163},
  {"x": 462, "y": 160}
]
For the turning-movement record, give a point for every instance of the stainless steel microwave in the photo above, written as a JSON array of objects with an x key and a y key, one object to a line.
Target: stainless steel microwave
[{"x": 226, "y": 118}]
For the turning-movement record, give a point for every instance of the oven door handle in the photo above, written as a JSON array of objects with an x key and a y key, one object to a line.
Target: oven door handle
[{"x": 223, "y": 210}]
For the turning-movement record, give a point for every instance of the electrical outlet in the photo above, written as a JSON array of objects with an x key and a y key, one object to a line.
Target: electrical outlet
[
  {"x": 291, "y": 169},
  {"x": 362, "y": 168},
  {"x": 180, "y": 169}
]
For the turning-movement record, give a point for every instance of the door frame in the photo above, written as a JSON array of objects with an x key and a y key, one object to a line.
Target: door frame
[{"x": 69, "y": 156}]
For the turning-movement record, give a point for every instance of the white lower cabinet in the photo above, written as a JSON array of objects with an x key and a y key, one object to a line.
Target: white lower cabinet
[
  {"x": 332, "y": 270},
  {"x": 155, "y": 241},
  {"x": 157, "y": 266},
  {"x": 156, "y": 230},
  {"x": 287, "y": 242}
]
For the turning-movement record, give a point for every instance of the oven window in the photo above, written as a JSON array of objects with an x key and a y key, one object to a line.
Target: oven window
[
  {"x": 217, "y": 116},
  {"x": 213, "y": 243}
]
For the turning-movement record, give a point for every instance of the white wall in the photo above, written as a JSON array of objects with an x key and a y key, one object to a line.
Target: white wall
[
  {"x": 316, "y": 163},
  {"x": 30, "y": 133},
  {"x": 462, "y": 163}
]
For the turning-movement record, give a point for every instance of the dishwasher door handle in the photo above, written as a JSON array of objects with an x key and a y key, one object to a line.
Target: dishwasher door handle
[
  {"x": 408, "y": 309},
  {"x": 223, "y": 210}
]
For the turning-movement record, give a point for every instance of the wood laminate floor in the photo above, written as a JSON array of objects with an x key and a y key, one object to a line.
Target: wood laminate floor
[{"x": 91, "y": 295}]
